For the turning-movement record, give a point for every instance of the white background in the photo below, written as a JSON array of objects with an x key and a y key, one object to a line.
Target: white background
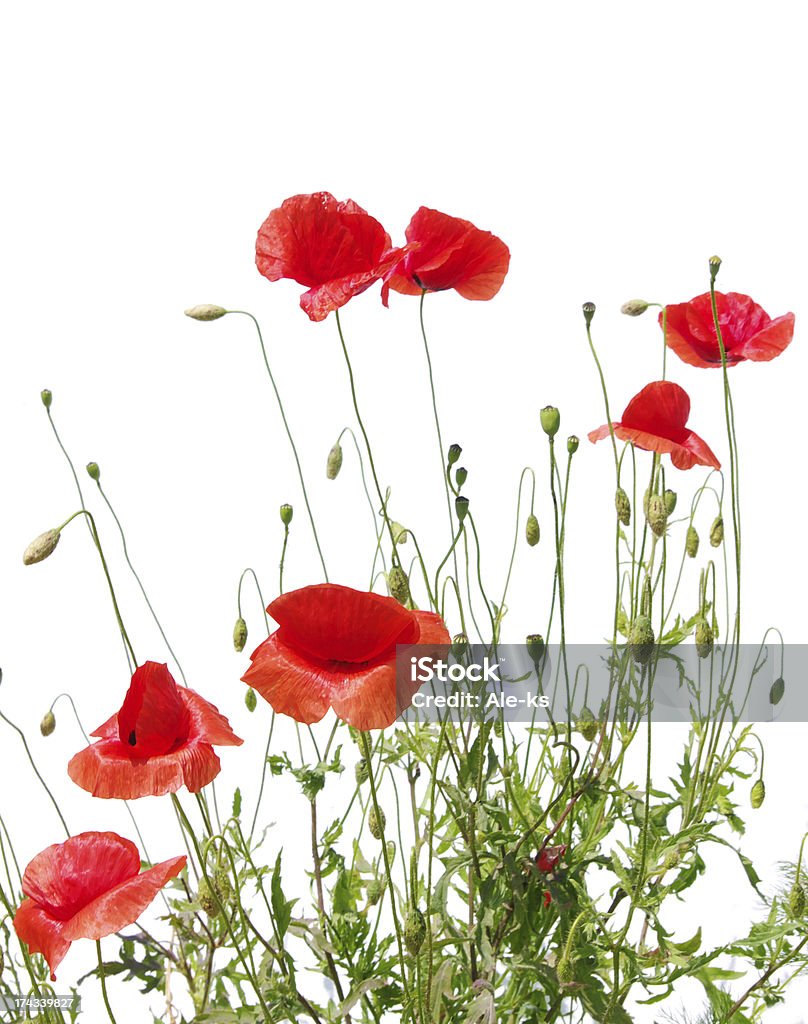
[{"x": 613, "y": 147}]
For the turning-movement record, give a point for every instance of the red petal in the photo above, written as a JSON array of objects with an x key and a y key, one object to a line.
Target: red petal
[
  {"x": 66, "y": 876},
  {"x": 328, "y": 622},
  {"x": 771, "y": 340},
  {"x": 123, "y": 904},
  {"x": 41, "y": 933},
  {"x": 207, "y": 723},
  {"x": 290, "y": 683},
  {"x": 661, "y": 408},
  {"x": 153, "y": 718}
]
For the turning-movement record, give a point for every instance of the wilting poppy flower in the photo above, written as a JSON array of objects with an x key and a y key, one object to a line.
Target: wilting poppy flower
[
  {"x": 334, "y": 248},
  {"x": 336, "y": 647},
  {"x": 655, "y": 420},
  {"x": 160, "y": 740},
  {"x": 85, "y": 888},
  {"x": 447, "y": 252},
  {"x": 748, "y": 332}
]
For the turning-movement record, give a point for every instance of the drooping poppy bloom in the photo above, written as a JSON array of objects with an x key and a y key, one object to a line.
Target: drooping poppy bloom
[
  {"x": 336, "y": 648},
  {"x": 447, "y": 252},
  {"x": 85, "y": 888},
  {"x": 747, "y": 330},
  {"x": 160, "y": 740},
  {"x": 334, "y": 248},
  {"x": 655, "y": 420}
]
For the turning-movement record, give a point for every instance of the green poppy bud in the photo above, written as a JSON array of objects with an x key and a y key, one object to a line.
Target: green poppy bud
[
  {"x": 757, "y": 794},
  {"x": 221, "y": 882},
  {"x": 634, "y": 307},
  {"x": 535, "y": 647},
  {"x": 362, "y": 771},
  {"x": 587, "y": 724},
  {"x": 205, "y": 312},
  {"x": 704, "y": 638},
  {"x": 461, "y": 507},
  {"x": 692, "y": 542},
  {"x": 777, "y": 691},
  {"x": 93, "y": 471},
  {"x": 414, "y": 931},
  {"x": 796, "y": 900},
  {"x": 400, "y": 534},
  {"x": 532, "y": 530},
  {"x": 250, "y": 700},
  {"x": 334, "y": 462},
  {"x": 623, "y": 506},
  {"x": 461, "y": 475},
  {"x": 670, "y": 501},
  {"x": 375, "y": 890},
  {"x": 286, "y": 514},
  {"x": 47, "y": 398},
  {"x": 573, "y": 443},
  {"x": 41, "y": 547},
  {"x": 376, "y": 823},
  {"x": 564, "y": 970},
  {"x": 391, "y": 850},
  {"x": 657, "y": 514},
  {"x": 239, "y": 635},
  {"x": 48, "y": 723},
  {"x": 453, "y": 454},
  {"x": 550, "y": 420},
  {"x": 641, "y": 639},
  {"x": 588, "y": 311},
  {"x": 717, "y": 532},
  {"x": 206, "y": 898},
  {"x": 399, "y": 585}
]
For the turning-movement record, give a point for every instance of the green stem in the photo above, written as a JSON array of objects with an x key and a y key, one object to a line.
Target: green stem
[{"x": 102, "y": 977}]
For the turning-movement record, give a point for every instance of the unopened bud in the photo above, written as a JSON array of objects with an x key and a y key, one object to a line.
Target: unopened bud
[
  {"x": 623, "y": 506},
  {"x": 414, "y": 931},
  {"x": 657, "y": 514},
  {"x": 47, "y": 398},
  {"x": 588, "y": 311},
  {"x": 239, "y": 635},
  {"x": 532, "y": 531},
  {"x": 757, "y": 794},
  {"x": 796, "y": 900},
  {"x": 286, "y": 514},
  {"x": 221, "y": 882},
  {"x": 41, "y": 547},
  {"x": 334, "y": 462},
  {"x": 205, "y": 312},
  {"x": 717, "y": 532},
  {"x": 692, "y": 542},
  {"x": 573, "y": 443},
  {"x": 48, "y": 723},
  {"x": 453, "y": 454},
  {"x": 400, "y": 534},
  {"x": 777, "y": 690},
  {"x": 715, "y": 266},
  {"x": 461, "y": 475},
  {"x": 535, "y": 647},
  {"x": 461, "y": 507},
  {"x": 670, "y": 501},
  {"x": 93, "y": 471},
  {"x": 399, "y": 585},
  {"x": 550, "y": 420},
  {"x": 564, "y": 970},
  {"x": 362, "y": 771},
  {"x": 376, "y": 822},
  {"x": 641, "y": 639},
  {"x": 250, "y": 700},
  {"x": 634, "y": 307},
  {"x": 206, "y": 899},
  {"x": 704, "y": 638},
  {"x": 391, "y": 850},
  {"x": 587, "y": 724},
  {"x": 375, "y": 890}
]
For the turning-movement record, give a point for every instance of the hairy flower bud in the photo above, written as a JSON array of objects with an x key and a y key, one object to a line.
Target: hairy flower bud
[
  {"x": 670, "y": 501},
  {"x": 361, "y": 771},
  {"x": 550, "y": 420},
  {"x": 48, "y": 723},
  {"x": 623, "y": 506},
  {"x": 564, "y": 970},
  {"x": 206, "y": 898},
  {"x": 376, "y": 822},
  {"x": 461, "y": 475},
  {"x": 461, "y": 507},
  {"x": 453, "y": 454},
  {"x": 375, "y": 890},
  {"x": 634, "y": 307},
  {"x": 532, "y": 531},
  {"x": 399, "y": 584},
  {"x": 657, "y": 514},
  {"x": 414, "y": 931},
  {"x": 573, "y": 443},
  {"x": 41, "y": 547},
  {"x": 47, "y": 398},
  {"x": 757, "y": 794},
  {"x": 239, "y": 635},
  {"x": 334, "y": 462},
  {"x": 641, "y": 639},
  {"x": 250, "y": 700},
  {"x": 93, "y": 471},
  {"x": 587, "y": 724},
  {"x": 205, "y": 312},
  {"x": 221, "y": 882},
  {"x": 717, "y": 532},
  {"x": 286, "y": 514},
  {"x": 704, "y": 638},
  {"x": 692, "y": 542},
  {"x": 796, "y": 900}
]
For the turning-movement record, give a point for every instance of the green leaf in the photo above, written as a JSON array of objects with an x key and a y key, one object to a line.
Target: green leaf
[
  {"x": 281, "y": 907},
  {"x": 237, "y": 803}
]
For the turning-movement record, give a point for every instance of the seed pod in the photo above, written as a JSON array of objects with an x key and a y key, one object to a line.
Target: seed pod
[
  {"x": 623, "y": 506},
  {"x": 657, "y": 514},
  {"x": 717, "y": 532},
  {"x": 715, "y": 264},
  {"x": 535, "y": 646},
  {"x": 550, "y": 419},
  {"x": 48, "y": 723},
  {"x": 250, "y": 699},
  {"x": 206, "y": 899},
  {"x": 634, "y": 307},
  {"x": 532, "y": 532},
  {"x": 47, "y": 398},
  {"x": 453, "y": 454},
  {"x": 461, "y": 475},
  {"x": 461, "y": 507},
  {"x": 587, "y": 724},
  {"x": 692, "y": 542},
  {"x": 704, "y": 638},
  {"x": 286, "y": 514},
  {"x": 334, "y": 462},
  {"x": 414, "y": 931},
  {"x": 41, "y": 547},
  {"x": 573, "y": 443},
  {"x": 239, "y": 635},
  {"x": 460, "y": 643},
  {"x": 777, "y": 691},
  {"x": 757, "y": 794},
  {"x": 399, "y": 585},
  {"x": 93, "y": 471},
  {"x": 376, "y": 823},
  {"x": 205, "y": 312},
  {"x": 796, "y": 900},
  {"x": 589, "y": 311},
  {"x": 670, "y": 501},
  {"x": 362, "y": 771},
  {"x": 375, "y": 890},
  {"x": 641, "y": 639}
]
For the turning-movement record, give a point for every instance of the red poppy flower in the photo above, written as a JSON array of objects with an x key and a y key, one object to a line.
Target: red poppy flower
[
  {"x": 447, "y": 252},
  {"x": 547, "y": 860},
  {"x": 336, "y": 647},
  {"x": 334, "y": 248},
  {"x": 748, "y": 332},
  {"x": 85, "y": 888},
  {"x": 655, "y": 420},
  {"x": 160, "y": 740}
]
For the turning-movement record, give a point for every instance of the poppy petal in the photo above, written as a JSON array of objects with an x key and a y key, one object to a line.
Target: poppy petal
[
  {"x": 661, "y": 408},
  {"x": 153, "y": 717},
  {"x": 769, "y": 342},
  {"x": 290, "y": 684},
  {"x": 207, "y": 723},
  {"x": 41, "y": 933}
]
